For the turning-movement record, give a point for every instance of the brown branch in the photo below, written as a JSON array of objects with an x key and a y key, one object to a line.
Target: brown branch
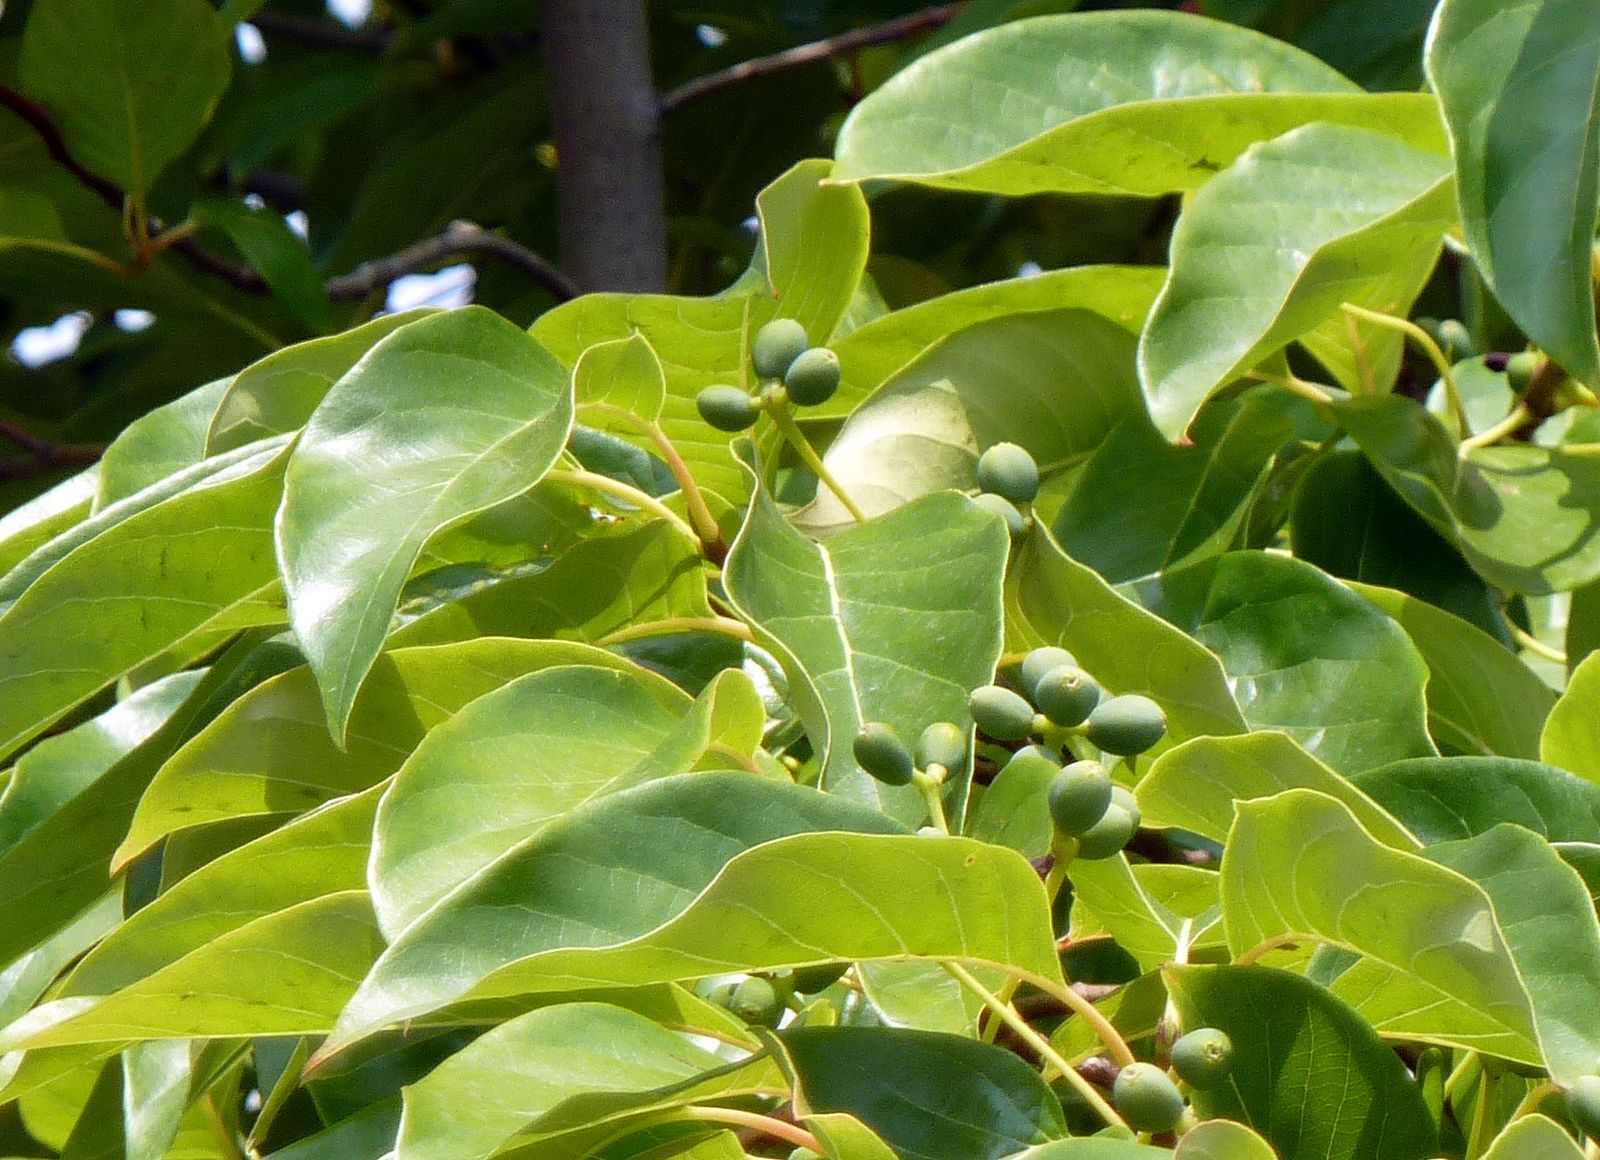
[
  {"x": 44, "y": 456},
  {"x": 323, "y": 33},
  {"x": 901, "y": 28},
  {"x": 38, "y": 118}
]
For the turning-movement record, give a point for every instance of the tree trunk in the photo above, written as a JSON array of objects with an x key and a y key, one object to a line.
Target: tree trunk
[{"x": 608, "y": 143}]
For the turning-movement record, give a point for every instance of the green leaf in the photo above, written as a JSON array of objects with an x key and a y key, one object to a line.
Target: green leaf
[
  {"x": 1444, "y": 799},
  {"x": 31, "y": 974},
  {"x": 1548, "y": 919},
  {"x": 66, "y": 636},
  {"x": 1223, "y": 1140},
  {"x": 623, "y": 374},
  {"x": 277, "y": 254},
  {"x": 1143, "y": 506},
  {"x": 1533, "y": 1137},
  {"x": 442, "y": 419},
  {"x": 1522, "y": 515},
  {"x": 1308, "y": 1073},
  {"x": 1053, "y": 381},
  {"x": 1517, "y": 89},
  {"x": 1139, "y": 103},
  {"x": 871, "y": 354},
  {"x": 1300, "y": 866},
  {"x": 278, "y": 394},
  {"x": 1270, "y": 247},
  {"x": 29, "y": 526},
  {"x": 1195, "y": 786},
  {"x": 1014, "y": 810},
  {"x": 157, "y": 445},
  {"x": 928, "y": 1095},
  {"x": 726, "y": 878},
  {"x": 1093, "y": 1149},
  {"x": 322, "y": 853},
  {"x": 558, "y": 1069},
  {"x": 846, "y": 1138},
  {"x": 896, "y": 620},
  {"x": 924, "y": 996},
  {"x": 1052, "y": 599},
  {"x": 1571, "y": 737},
  {"x": 1308, "y": 656},
  {"x": 130, "y": 84},
  {"x": 1120, "y": 906},
  {"x": 269, "y": 752}
]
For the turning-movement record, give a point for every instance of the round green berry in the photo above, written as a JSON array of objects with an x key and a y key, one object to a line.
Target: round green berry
[
  {"x": 942, "y": 744},
  {"x": 1455, "y": 339},
  {"x": 813, "y": 377},
  {"x": 879, "y": 750},
  {"x": 1583, "y": 1105},
  {"x": 1520, "y": 369},
  {"x": 727, "y": 408},
  {"x": 1147, "y": 1099},
  {"x": 776, "y": 345},
  {"x": 1031, "y": 751},
  {"x": 1203, "y": 1058},
  {"x": 1000, "y": 713},
  {"x": 1079, "y": 797},
  {"x": 810, "y": 980},
  {"x": 1126, "y": 725},
  {"x": 1008, "y": 470},
  {"x": 757, "y": 1001},
  {"x": 1112, "y": 832},
  {"x": 1041, "y": 661},
  {"x": 1005, "y": 509},
  {"x": 718, "y": 991},
  {"x": 1066, "y": 695},
  {"x": 1122, "y": 797}
]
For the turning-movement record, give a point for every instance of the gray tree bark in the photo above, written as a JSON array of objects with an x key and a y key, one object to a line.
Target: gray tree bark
[{"x": 608, "y": 143}]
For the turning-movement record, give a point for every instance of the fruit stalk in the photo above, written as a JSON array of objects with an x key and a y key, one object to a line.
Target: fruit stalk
[
  {"x": 779, "y": 410},
  {"x": 623, "y": 492},
  {"x": 705, "y": 524}
]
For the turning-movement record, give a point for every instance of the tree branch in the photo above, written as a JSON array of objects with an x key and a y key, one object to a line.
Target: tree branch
[
  {"x": 323, "y": 33},
  {"x": 44, "y": 456},
  {"x": 460, "y": 240},
  {"x": 38, "y": 119},
  {"x": 901, "y": 28}
]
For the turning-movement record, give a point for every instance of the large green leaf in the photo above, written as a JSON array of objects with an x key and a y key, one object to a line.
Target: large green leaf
[
  {"x": 1142, "y": 505},
  {"x": 442, "y": 419},
  {"x": 522, "y": 755},
  {"x": 1052, "y": 599},
  {"x": 269, "y": 752},
  {"x": 1571, "y": 737},
  {"x": 1223, "y": 1140},
  {"x": 1107, "y": 898},
  {"x": 282, "y": 257},
  {"x": 1300, "y": 866},
  {"x": 896, "y": 620},
  {"x": 1196, "y": 785},
  {"x": 1105, "y": 102},
  {"x": 1270, "y": 247},
  {"x": 1533, "y": 1137},
  {"x": 1517, "y": 86},
  {"x": 1446, "y": 799},
  {"x": 158, "y": 444},
  {"x": 25, "y": 528},
  {"x": 130, "y": 83},
  {"x": 68, "y": 634},
  {"x": 1548, "y": 919},
  {"x": 1308, "y": 1073},
  {"x": 724, "y": 876},
  {"x": 928, "y": 1095}
]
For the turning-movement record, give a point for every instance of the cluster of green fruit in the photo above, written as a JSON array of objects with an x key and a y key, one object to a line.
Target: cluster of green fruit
[
  {"x": 1008, "y": 482},
  {"x": 760, "y": 1000},
  {"x": 1146, "y": 1096},
  {"x": 792, "y": 370}
]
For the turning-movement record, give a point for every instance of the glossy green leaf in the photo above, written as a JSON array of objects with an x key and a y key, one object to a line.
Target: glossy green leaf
[
  {"x": 1117, "y": 904},
  {"x": 1533, "y": 1137},
  {"x": 1272, "y": 246},
  {"x": 29, "y": 975},
  {"x": 129, "y": 83},
  {"x": 269, "y": 752},
  {"x": 1571, "y": 737},
  {"x": 1516, "y": 85},
  {"x": 923, "y": 996},
  {"x": 989, "y": 1103},
  {"x": 1015, "y": 811},
  {"x": 65, "y": 637},
  {"x": 1443, "y": 799},
  {"x": 1196, "y": 785},
  {"x": 749, "y": 889},
  {"x": 1053, "y": 381},
  {"x": 28, "y": 527},
  {"x": 844, "y": 1137},
  {"x": 871, "y": 354},
  {"x": 896, "y": 620},
  {"x": 1137, "y": 103},
  {"x": 157, "y": 445},
  {"x": 444, "y": 418},
  {"x": 1308, "y": 1073},
  {"x": 623, "y": 374},
  {"x": 1223, "y": 1140},
  {"x": 1052, "y": 599},
  {"x": 277, "y": 253},
  {"x": 1142, "y": 505},
  {"x": 1108, "y": 1148},
  {"x": 1300, "y": 866},
  {"x": 1548, "y": 919}
]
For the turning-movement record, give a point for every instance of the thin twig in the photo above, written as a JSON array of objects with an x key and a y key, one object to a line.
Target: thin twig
[
  {"x": 44, "y": 456},
  {"x": 38, "y": 119},
  {"x": 459, "y": 240},
  {"x": 901, "y": 28},
  {"x": 323, "y": 33}
]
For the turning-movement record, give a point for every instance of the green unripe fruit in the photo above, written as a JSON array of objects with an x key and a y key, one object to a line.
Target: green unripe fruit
[
  {"x": 1203, "y": 1058},
  {"x": 1126, "y": 725},
  {"x": 1112, "y": 832},
  {"x": 942, "y": 744},
  {"x": 813, "y": 377},
  {"x": 1147, "y": 1099},
  {"x": 1583, "y": 1105},
  {"x": 714, "y": 991},
  {"x": 1079, "y": 796},
  {"x": 1455, "y": 340},
  {"x": 1041, "y": 661},
  {"x": 1000, "y": 713},
  {"x": 1066, "y": 695},
  {"x": 776, "y": 345},
  {"x": 727, "y": 408},
  {"x": 1027, "y": 752},
  {"x": 1122, "y": 797},
  {"x": 881, "y": 753},
  {"x": 1008, "y": 470},
  {"x": 810, "y": 980},
  {"x": 1520, "y": 369},
  {"x": 756, "y": 1001},
  {"x": 1002, "y": 507}
]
